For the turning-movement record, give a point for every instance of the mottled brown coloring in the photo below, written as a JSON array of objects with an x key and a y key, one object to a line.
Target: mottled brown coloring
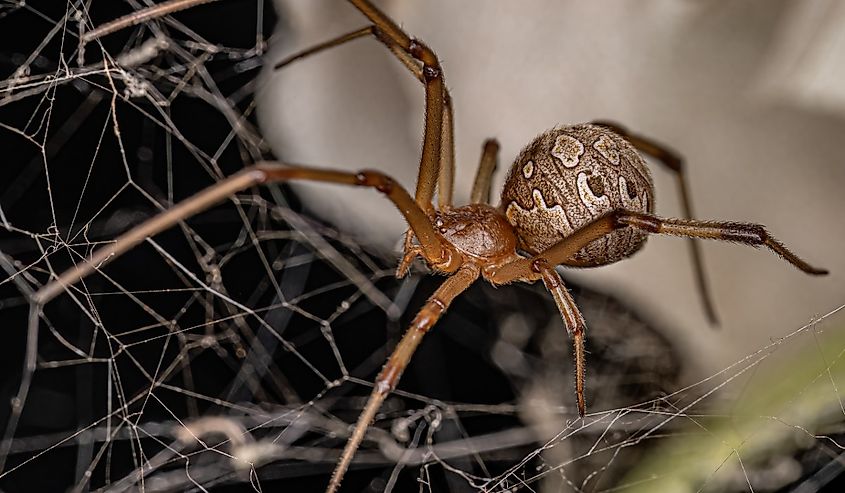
[{"x": 602, "y": 159}]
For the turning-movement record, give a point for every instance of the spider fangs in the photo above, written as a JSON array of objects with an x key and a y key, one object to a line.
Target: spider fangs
[{"x": 579, "y": 196}]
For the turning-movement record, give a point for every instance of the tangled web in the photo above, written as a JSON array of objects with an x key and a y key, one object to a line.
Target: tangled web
[{"x": 237, "y": 348}]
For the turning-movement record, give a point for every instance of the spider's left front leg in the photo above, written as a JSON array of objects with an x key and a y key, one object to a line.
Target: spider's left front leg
[{"x": 428, "y": 315}]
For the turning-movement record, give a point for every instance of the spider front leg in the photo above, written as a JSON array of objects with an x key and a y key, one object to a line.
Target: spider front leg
[
  {"x": 428, "y": 315},
  {"x": 430, "y": 247}
]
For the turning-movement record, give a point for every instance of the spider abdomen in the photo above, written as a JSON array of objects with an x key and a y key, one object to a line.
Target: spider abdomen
[{"x": 569, "y": 176}]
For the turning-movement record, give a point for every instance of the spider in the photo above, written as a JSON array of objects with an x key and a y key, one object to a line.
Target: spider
[{"x": 578, "y": 195}]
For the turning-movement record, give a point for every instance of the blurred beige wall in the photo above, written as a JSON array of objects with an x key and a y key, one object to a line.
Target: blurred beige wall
[{"x": 746, "y": 90}]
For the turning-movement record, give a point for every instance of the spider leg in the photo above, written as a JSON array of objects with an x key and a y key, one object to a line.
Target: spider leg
[
  {"x": 437, "y": 162},
  {"x": 445, "y": 176},
  {"x": 438, "y": 141},
  {"x": 671, "y": 160},
  {"x": 430, "y": 244},
  {"x": 745, "y": 233},
  {"x": 435, "y": 100},
  {"x": 328, "y": 44},
  {"x": 574, "y": 323},
  {"x": 528, "y": 269},
  {"x": 484, "y": 175},
  {"x": 539, "y": 266},
  {"x": 445, "y": 181},
  {"x": 428, "y": 315}
]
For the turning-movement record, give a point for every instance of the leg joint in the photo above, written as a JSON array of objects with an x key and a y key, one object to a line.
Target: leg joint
[
  {"x": 538, "y": 265},
  {"x": 431, "y": 73},
  {"x": 431, "y": 66},
  {"x": 375, "y": 179},
  {"x": 381, "y": 35}
]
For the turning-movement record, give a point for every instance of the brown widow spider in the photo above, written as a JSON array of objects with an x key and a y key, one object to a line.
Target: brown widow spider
[{"x": 578, "y": 196}]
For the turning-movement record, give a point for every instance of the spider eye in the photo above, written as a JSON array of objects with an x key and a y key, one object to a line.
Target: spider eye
[{"x": 596, "y": 184}]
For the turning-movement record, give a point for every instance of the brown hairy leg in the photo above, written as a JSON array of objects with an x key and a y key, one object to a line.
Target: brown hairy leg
[
  {"x": 484, "y": 176},
  {"x": 674, "y": 163},
  {"x": 428, "y": 315},
  {"x": 430, "y": 245}
]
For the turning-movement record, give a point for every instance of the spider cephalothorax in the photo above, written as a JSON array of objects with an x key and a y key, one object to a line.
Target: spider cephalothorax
[
  {"x": 480, "y": 233},
  {"x": 579, "y": 195}
]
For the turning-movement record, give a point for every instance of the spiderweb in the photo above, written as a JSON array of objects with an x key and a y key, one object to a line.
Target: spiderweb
[{"x": 235, "y": 349}]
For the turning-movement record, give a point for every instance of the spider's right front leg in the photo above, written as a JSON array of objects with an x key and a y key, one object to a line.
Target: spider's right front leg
[{"x": 436, "y": 168}]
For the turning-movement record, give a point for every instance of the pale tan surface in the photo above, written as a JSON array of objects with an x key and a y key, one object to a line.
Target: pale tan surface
[{"x": 689, "y": 73}]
